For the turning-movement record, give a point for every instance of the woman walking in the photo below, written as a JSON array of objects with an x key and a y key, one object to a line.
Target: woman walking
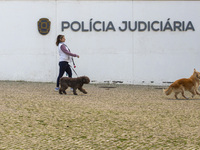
[{"x": 65, "y": 57}]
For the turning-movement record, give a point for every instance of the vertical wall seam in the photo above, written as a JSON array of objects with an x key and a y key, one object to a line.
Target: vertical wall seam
[
  {"x": 56, "y": 19},
  {"x": 132, "y": 46}
]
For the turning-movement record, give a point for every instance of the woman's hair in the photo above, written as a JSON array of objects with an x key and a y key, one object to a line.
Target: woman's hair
[{"x": 59, "y": 37}]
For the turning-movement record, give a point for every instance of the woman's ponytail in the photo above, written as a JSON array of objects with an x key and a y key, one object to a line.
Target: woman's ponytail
[{"x": 59, "y": 37}]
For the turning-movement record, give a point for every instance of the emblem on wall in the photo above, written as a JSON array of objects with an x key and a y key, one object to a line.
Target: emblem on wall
[{"x": 44, "y": 26}]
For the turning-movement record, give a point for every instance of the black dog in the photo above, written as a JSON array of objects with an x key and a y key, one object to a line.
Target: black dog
[{"x": 75, "y": 83}]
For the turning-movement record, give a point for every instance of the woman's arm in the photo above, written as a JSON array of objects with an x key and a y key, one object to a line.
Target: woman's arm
[{"x": 63, "y": 48}]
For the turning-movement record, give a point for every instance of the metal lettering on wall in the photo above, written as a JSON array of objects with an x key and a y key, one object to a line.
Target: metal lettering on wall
[{"x": 105, "y": 26}]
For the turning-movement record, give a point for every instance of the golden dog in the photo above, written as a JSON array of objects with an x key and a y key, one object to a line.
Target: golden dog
[{"x": 186, "y": 84}]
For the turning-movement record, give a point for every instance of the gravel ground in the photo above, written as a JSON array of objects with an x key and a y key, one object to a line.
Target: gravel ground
[{"x": 34, "y": 116}]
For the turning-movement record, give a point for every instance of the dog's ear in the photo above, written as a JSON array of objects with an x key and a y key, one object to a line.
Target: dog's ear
[{"x": 195, "y": 70}]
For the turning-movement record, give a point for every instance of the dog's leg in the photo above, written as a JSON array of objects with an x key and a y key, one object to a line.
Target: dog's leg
[
  {"x": 82, "y": 90},
  {"x": 184, "y": 95},
  {"x": 176, "y": 93},
  {"x": 196, "y": 89},
  {"x": 74, "y": 91},
  {"x": 193, "y": 91},
  {"x": 60, "y": 91},
  {"x": 197, "y": 92},
  {"x": 64, "y": 90}
]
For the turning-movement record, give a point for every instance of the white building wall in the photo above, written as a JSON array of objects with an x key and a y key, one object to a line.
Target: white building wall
[{"x": 147, "y": 57}]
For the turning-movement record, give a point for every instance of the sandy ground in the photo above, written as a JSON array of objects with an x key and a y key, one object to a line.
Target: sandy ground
[{"x": 34, "y": 116}]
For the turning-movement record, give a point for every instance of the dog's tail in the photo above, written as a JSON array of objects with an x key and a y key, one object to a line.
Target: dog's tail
[{"x": 168, "y": 90}]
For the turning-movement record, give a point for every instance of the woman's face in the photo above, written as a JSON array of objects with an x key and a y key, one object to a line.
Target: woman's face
[{"x": 62, "y": 39}]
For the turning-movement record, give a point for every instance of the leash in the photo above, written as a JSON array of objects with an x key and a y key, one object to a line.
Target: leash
[
  {"x": 71, "y": 57},
  {"x": 72, "y": 62},
  {"x": 73, "y": 70}
]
